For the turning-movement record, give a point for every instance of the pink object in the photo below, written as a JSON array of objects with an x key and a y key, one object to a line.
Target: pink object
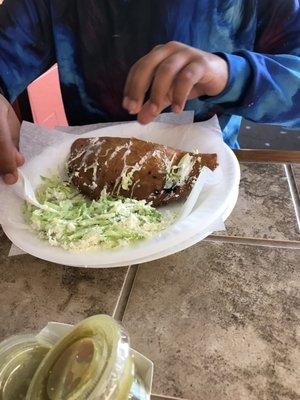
[{"x": 46, "y": 100}]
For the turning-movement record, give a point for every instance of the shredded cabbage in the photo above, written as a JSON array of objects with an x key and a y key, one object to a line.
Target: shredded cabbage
[{"x": 74, "y": 222}]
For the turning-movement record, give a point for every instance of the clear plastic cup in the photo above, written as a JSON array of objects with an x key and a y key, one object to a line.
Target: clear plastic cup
[
  {"x": 20, "y": 356},
  {"x": 91, "y": 361}
]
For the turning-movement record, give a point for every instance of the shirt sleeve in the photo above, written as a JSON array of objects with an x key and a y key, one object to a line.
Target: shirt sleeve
[
  {"x": 26, "y": 44},
  {"x": 264, "y": 85}
]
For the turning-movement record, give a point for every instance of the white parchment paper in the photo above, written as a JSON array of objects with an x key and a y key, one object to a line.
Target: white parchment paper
[
  {"x": 206, "y": 136},
  {"x": 34, "y": 139}
]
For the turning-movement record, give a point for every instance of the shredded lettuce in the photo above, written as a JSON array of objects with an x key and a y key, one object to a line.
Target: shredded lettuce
[{"x": 74, "y": 222}]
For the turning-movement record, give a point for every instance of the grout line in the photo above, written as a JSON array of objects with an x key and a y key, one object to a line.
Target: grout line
[
  {"x": 294, "y": 179},
  {"x": 134, "y": 274},
  {"x": 259, "y": 162},
  {"x": 293, "y": 191},
  {"x": 125, "y": 293},
  {"x": 288, "y": 244}
]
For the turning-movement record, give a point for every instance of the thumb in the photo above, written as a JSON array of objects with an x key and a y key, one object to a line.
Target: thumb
[
  {"x": 8, "y": 162},
  {"x": 19, "y": 158},
  {"x": 10, "y": 159},
  {"x": 12, "y": 177},
  {"x": 9, "y": 135}
]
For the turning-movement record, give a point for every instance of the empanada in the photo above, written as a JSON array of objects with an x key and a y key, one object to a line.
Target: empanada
[{"x": 134, "y": 168}]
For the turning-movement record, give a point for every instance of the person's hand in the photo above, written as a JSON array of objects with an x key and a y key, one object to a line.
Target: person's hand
[
  {"x": 175, "y": 72},
  {"x": 10, "y": 157}
]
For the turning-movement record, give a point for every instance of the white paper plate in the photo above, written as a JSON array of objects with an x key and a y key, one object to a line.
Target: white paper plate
[{"x": 212, "y": 206}]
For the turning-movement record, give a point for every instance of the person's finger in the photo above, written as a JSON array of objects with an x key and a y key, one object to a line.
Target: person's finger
[
  {"x": 140, "y": 77},
  {"x": 11, "y": 178},
  {"x": 197, "y": 91},
  {"x": 185, "y": 81},
  {"x": 14, "y": 127},
  {"x": 9, "y": 136},
  {"x": 150, "y": 111},
  {"x": 165, "y": 75},
  {"x": 19, "y": 158},
  {"x": 7, "y": 155}
]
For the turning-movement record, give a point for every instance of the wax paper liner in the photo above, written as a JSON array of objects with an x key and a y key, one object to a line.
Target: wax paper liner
[
  {"x": 186, "y": 117},
  {"x": 209, "y": 208},
  {"x": 34, "y": 139}
]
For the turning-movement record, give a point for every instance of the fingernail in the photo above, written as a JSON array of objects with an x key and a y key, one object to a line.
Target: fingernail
[
  {"x": 130, "y": 105},
  {"x": 153, "y": 108},
  {"x": 176, "y": 109},
  {"x": 10, "y": 179},
  {"x": 125, "y": 102},
  {"x": 20, "y": 159},
  {"x": 142, "y": 120}
]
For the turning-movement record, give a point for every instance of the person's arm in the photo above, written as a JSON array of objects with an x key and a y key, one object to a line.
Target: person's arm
[
  {"x": 264, "y": 85},
  {"x": 26, "y": 51}
]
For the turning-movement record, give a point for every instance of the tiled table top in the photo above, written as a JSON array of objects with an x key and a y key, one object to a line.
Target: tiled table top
[
  {"x": 296, "y": 172},
  {"x": 219, "y": 320},
  {"x": 33, "y": 292},
  {"x": 264, "y": 208}
]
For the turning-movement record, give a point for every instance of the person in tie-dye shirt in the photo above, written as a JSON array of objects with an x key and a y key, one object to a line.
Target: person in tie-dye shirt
[{"x": 122, "y": 59}]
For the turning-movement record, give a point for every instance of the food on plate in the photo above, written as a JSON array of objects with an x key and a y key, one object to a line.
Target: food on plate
[
  {"x": 113, "y": 188},
  {"x": 74, "y": 222},
  {"x": 134, "y": 168}
]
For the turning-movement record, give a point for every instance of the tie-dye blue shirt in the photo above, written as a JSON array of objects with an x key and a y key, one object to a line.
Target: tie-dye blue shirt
[{"x": 95, "y": 42}]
